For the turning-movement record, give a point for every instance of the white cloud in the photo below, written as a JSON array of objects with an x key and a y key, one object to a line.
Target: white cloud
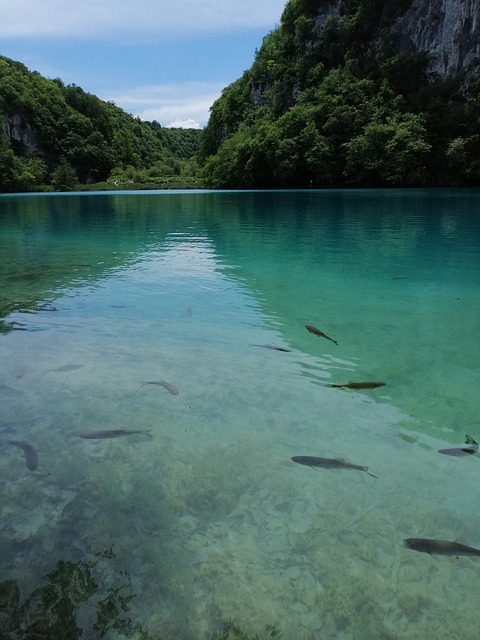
[
  {"x": 110, "y": 18},
  {"x": 173, "y": 105},
  {"x": 184, "y": 124}
]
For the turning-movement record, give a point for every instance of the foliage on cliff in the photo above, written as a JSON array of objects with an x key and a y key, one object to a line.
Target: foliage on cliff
[
  {"x": 330, "y": 100},
  {"x": 74, "y": 137}
]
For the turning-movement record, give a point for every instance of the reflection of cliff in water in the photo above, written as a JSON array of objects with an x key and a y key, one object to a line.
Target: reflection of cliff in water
[
  {"x": 265, "y": 240},
  {"x": 51, "y": 243},
  {"x": 305, "y": 243},
  {"x": 392, "y": 275}
]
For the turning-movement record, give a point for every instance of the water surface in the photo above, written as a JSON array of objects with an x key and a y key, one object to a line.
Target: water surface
[{"x": 204, "y": 510}]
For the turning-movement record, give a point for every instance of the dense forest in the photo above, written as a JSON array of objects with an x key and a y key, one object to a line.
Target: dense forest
[
  {"x": 339, "y": 104},
  {"x": 330, "y": 100},
  {"x": 58, "y": 137}
]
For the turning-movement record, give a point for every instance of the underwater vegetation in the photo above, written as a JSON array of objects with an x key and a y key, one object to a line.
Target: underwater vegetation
[
  {"x": 73, "y": 603},
  {"x": 71, "y": 593},
  {"x": 230, "y": 631}
]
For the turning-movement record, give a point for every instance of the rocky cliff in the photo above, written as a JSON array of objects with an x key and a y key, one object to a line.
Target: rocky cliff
[
  {"x": 354, "y": 92},
  {"x": 449, "y": 30},
  {"x": 22, "y": 136}
]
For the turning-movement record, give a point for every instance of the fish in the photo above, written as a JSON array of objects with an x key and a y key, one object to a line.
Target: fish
[
  {"x": 20, "y": 373},
  {"x": 31, "y": 456},
  {"x": 65, "y": 367},
  {"x": 441, "y": 547},
  {"x": 358, "y": 385},
  {"x": 329, "y": 463},
  {"x": 166, "y": 385},
  {"x": 311, "y": 329},
  {"x": 462, "y": 451},
  {"x": 108, "y": 433},
  {"x": 9, "y": 390},
  {"x": 272, "y": 346}
]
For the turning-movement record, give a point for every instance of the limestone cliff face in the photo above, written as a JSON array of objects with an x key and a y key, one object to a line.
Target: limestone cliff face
[
  {"x": 23, "y": 137},
  {"x": 449, "y": 30}
]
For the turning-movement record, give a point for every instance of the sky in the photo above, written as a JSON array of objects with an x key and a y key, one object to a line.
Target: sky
[{"x": 163, "y": 60}]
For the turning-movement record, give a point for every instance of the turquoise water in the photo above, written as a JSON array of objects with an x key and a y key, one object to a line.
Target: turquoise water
[{"x": 205, "y": 511}]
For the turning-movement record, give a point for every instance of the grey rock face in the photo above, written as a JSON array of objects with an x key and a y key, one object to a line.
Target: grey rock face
[
  {"x": 449, "y": 30},
  {"x": 22, "y": 136}
]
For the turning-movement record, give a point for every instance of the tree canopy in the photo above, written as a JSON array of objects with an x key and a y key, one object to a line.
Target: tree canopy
[
  {"x": 341, "y": 105},
  {"x": 74, "y": 134}
]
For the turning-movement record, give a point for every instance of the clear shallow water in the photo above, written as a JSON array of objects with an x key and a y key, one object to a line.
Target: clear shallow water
[{"x": 208, "y": 516}]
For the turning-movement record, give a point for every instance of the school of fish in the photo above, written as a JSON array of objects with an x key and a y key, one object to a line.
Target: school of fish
[{"x": 425, "y": 545}]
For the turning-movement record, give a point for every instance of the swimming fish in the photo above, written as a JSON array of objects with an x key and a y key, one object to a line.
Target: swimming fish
[
  {"x": 65, "y": 367},
  {"x": 329, "y": 463},
  {"x": 271, "y": 346},
  {"x": 462, "y": 451},
  {"x": 107, "y": 433},
  {"x": 311, "y": 329},
  {"x": 358, "y": 385},
  {"x": 31, "y": 456},
  {"x": 441, "y": 547},
  {"x": 166, "y": 385}
]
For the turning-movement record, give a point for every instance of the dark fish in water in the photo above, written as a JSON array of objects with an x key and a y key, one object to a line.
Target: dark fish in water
[
  {"x": 462, "y": 451},
  {"x": 107, "y": 433},
  {"x": 31, "y": 456},
  {"x": 9, "y": 390},
  {"x": 65, "y": 367},
  {"x": 441, "y": 547},
  {"x": 358, "y": 385},
  {"x": 166, "y": 385},
  {"x": 329, "y": 463},
  {"x": 272, "y": 346},
  {"x": 21, "y": 373},
  {"x": 311, "y": 329}
]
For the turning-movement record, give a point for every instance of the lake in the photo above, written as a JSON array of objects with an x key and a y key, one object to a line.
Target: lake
[{"x": 154, "y": 356}]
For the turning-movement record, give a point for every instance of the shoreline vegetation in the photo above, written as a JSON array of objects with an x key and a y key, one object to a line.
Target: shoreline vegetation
[
  {"x": 168, "y": 183},
  {"x": 57, "y": 137},
  {"x": 341, "y": 106}
]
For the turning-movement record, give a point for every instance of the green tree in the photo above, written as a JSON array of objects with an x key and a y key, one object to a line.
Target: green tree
[
  {"x": 92, "y": 135},
  {"x": 7, "y": 173},
  {"x": 64, "y": 177},
  {"x": 389, "y": 152}
]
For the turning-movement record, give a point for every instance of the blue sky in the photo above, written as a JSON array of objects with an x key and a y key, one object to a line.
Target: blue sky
[{"x": 164, "y": 60}]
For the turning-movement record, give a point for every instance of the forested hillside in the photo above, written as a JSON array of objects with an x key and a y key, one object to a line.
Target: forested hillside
[
  {"x": 58, "y": 136},
  {"x": 333, "y": 99}
]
